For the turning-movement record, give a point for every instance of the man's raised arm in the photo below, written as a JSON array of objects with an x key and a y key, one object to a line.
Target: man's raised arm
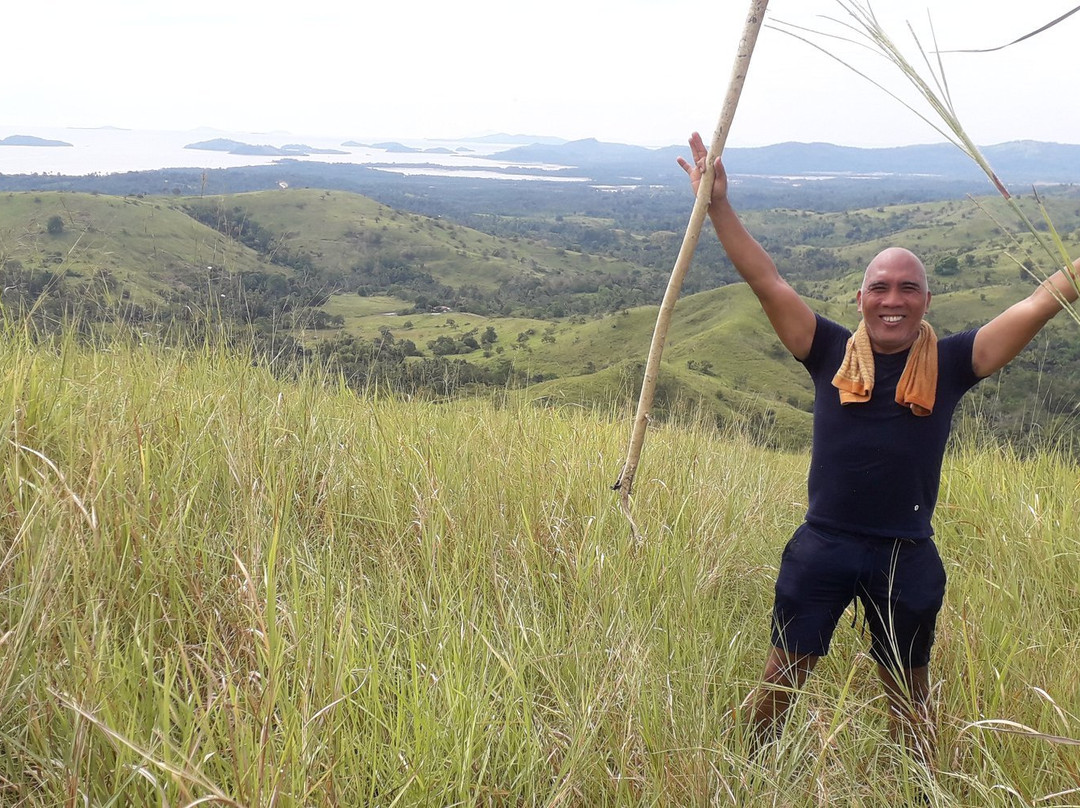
[
  {"x": 1000, "y": 340},
  {"x": 791, "y": 317}
]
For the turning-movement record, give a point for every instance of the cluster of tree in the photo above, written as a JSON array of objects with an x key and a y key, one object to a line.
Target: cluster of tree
[
  {"x": 445, "y": 345},
  {"x": 51, "y": 300},
  {"x": 394, "y": 365},
  {"x": 252, "y": 313},
  {"x": 261, "y": 300},
  {"x": 392, "y": 271},
  {"x": 238, "y": 225}
]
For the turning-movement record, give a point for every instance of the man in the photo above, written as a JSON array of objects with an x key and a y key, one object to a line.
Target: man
[{"x": 882, "y": 414}]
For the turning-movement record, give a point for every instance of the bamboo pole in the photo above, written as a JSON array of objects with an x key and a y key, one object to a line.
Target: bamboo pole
[{"x": 625, "y": 483}]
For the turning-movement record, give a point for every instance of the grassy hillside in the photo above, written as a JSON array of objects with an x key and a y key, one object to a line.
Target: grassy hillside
[
  {"x": 333, "y": 243},
  {"x": 219, "y": 587},
  {"x": 721, "y": 354},
  {"x": 341, "y": 232},
  {"x": 147, "y": 248},
  {"x": 346, "y": 277}
]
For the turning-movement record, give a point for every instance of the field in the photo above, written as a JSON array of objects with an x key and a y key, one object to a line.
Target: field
[{"x": 221, "y": 587}]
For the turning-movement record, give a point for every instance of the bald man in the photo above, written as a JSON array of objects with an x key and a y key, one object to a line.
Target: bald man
[{"x": 884, "y": 400}]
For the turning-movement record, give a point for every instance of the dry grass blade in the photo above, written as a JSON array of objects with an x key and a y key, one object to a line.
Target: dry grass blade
[
  {"x": 1056, "y": 795},
  {"x": 88, "y": 514},
  {"x": 500, "y": 645},
  {"x": 863, "y": 29},
  {"x": 193, "y": 777},
  {"x": 1015, "y": 728},
  {"x": 1028, "y": 35}
]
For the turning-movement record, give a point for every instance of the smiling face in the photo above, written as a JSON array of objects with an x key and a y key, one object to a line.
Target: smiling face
[{"x": 893, "y": 299}]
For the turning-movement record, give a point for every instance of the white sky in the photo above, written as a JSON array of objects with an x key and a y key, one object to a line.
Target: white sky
[{"x": 630, "y": 71}]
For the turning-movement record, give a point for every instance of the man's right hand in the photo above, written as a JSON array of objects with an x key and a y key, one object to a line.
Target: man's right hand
[
  {"x": 696, "y": 169},
  {"x": 792, "y": 319}
]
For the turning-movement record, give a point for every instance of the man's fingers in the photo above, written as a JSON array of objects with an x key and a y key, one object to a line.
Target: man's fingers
[
  {"x": 697, "y": 146},
  {"x": 699, "y": 155}
]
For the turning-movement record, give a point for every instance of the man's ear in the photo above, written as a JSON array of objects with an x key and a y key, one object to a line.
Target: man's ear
[{"x": 858, "y": 301}]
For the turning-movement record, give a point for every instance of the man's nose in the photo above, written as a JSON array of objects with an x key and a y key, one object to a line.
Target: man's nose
[{"x": 892, "y": 297}]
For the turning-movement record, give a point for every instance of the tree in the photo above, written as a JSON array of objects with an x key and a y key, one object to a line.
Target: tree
[
  {"x": 443, "y": 346},
  {"x": 947, "y": 266},
  {"x": 55, "y": 226}
]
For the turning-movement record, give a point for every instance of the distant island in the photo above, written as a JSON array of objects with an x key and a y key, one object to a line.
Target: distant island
[
  {"x": 396, "y": 148},
  {"x": 403, "y": 149},
  {"x": 222, "y": 144},
  {"x": 30, "y": 140}
]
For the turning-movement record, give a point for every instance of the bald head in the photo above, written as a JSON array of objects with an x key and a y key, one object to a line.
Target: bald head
[
  {"x": 893, "y": 299},
  {"x": 895, "y": 259}
]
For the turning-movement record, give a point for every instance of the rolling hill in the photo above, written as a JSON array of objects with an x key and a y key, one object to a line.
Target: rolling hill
[{"x": 384, "y": 293}]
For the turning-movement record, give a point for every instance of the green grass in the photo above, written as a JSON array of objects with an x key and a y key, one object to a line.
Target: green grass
[
  {"x": 217, "y": 587},
  {"x": 341, "y": 230},
  {"x": 146, "y": 246}
]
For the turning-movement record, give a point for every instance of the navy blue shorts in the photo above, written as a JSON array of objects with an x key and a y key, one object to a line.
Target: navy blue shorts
[{"x": 900, "y": 582}]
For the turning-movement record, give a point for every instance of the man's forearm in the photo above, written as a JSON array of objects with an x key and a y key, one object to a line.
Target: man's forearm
[
  {"x": 1059, "y": 287},
  {"x": 750, "y": 259}
]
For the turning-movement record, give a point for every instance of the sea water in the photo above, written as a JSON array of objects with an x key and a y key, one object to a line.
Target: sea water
[{"x": 109, "y": 150}]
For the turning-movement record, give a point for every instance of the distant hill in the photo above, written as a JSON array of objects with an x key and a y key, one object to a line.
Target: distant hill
[
  {"x": 1018, "y": 161},
  {"x": 303, "y": 148},
  {"x": 813, "y": 176},
  {"x": 30, "y": 140},
  {"x": 222, "y": 144},
  {"x": 1025, "y": 161},
  {"x": 588, "y": 151},
  {"x": 238, "y": 147}
]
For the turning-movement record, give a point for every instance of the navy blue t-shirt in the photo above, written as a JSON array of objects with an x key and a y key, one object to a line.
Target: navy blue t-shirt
[{"x": 876, "y": 466}]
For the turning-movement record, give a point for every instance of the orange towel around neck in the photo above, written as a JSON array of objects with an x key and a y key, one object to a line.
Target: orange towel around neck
[{"x": 918, "y": 383}]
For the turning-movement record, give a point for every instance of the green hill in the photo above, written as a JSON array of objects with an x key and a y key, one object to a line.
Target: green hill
[
  {"x": 358, "y": 245},
  {"x": 423, "y": 304},
  {"x": 147, "y": 249},
  {"x": 722, "y": 356}
]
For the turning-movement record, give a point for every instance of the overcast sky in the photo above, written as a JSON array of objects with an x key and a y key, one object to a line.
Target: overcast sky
[{"x": 631, "y": 71}]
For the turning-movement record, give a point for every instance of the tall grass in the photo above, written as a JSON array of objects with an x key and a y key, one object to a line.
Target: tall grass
[
  {"x": 925, "y": 74},
  {"x": 217, "y": 587}
]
